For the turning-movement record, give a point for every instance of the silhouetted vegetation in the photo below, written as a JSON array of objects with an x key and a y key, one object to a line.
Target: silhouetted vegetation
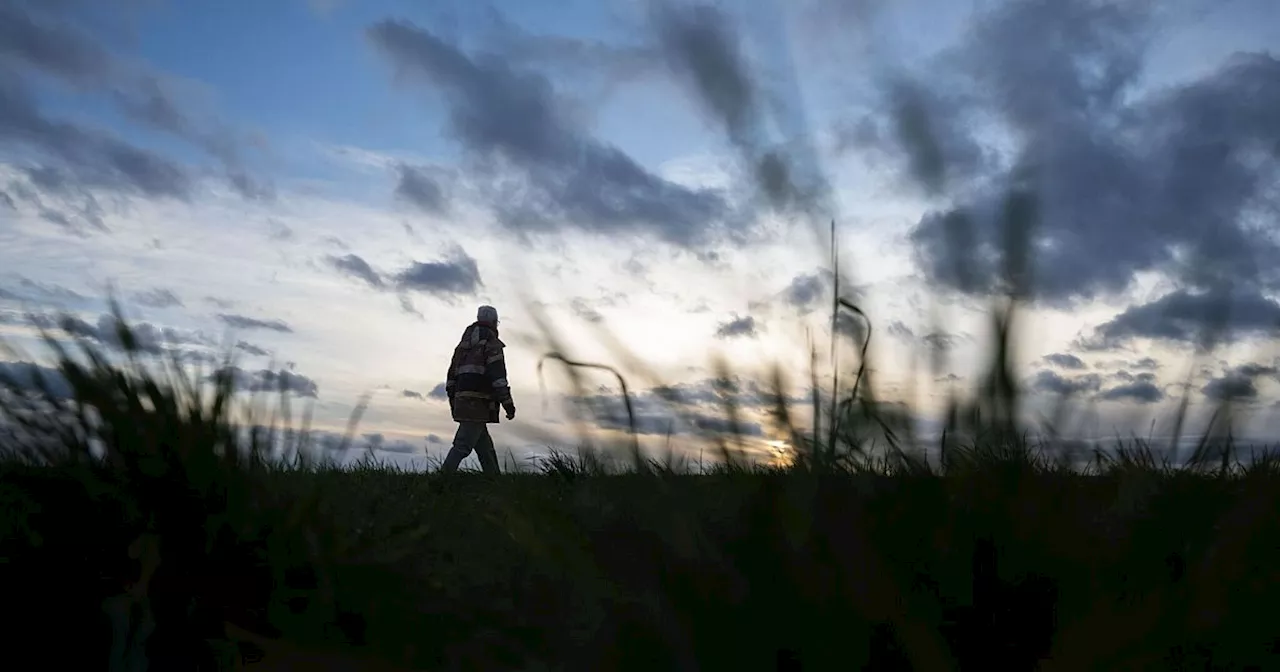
[{"x": 148, "y": 513}]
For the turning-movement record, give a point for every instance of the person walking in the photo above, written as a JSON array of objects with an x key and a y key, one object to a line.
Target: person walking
[{"x": 477, "y": 386}]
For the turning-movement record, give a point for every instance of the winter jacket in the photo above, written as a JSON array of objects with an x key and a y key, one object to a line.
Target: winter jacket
[{"x": 477, "y": 383}]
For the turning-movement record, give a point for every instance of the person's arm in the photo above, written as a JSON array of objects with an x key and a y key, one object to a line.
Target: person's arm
[
  {"x": 495, "y": 367},
  {"x": 450, "y": 379}
]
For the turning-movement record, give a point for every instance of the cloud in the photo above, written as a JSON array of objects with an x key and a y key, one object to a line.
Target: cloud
[
  {"x": 925, "y": 128},
  {"x": 851, "y": 326},
  {"x": 148, "y": 338},
  {"x": 1189, "y": 316},
  {"x": 1239, "y": 383},
  {"x": 703, "y": 49},
  {"x": 456, "y": 275},
  {"x": 420, "y": 187},
  {"x": 30, "y": 377},
  {"x": 89, "y": 158},
  {"x": 45, "y": 40},
  {"x": 576, "y": 57},
  {"x": 697, "y": 407},
  {"x": 1065, "y": 361},
  {"x": 434, "y": 439},
  {"x": 1052, "y": 382},
  {"x": 806, "y": 290},
  {"x": 278, "y": 230},
  {"x": 356, "y": 267},
  {"x": 1118, "y": 180},
  {"x": 1139, "y": 378},
  {"x": 542, "y": 170},
  {"x": 410, "y": 394},
  {"x": 44, "y": 292},
  {"x": 1231, "y": 387},
  {"x": 250, "y": 348},
  {"x": 586, "y": 312},
  {"x": 737, "y": 327},
  {"x": 1143, "y": 392},
  {"x": 438, "y": 392},
  {"x": 266, "y": 380},
  {"x": 244, "y": 322},
  {"x": 158, "y": 298},
  {"x": 659, "y": 412},
  {"x": 898, "y": 329}
]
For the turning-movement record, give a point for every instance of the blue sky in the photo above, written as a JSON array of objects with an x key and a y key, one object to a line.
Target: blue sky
[{"x": 336, "y": 185}]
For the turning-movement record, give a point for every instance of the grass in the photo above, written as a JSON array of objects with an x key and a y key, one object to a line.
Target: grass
[{"x": 145, "y": 520}]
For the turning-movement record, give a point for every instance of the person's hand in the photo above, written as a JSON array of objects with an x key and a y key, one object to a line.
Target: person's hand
[{"x": 510, "y": 408}]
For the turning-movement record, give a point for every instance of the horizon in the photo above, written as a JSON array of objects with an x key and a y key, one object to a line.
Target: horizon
[{"x": 335, "y": 187}]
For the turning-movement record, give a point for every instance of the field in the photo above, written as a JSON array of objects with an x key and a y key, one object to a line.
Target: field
[{"x": 142, "y": 521}]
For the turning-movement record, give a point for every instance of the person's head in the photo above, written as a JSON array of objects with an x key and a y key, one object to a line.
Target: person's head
[{"x": 487, "y": 315}]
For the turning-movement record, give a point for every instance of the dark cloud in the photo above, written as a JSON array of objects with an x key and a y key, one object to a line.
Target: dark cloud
[
  {"x": 542, "y": 169},
  {"x": 851, "y": 326},
  {"x": 278, "y": 230},
  {"x": 1239, "y": 383},
  {"x": 30, "y": 377},
  {"x": 1124, "y": 181},
  {"x": 410, "y": 394},
  {"x": 1231, "y": 387},
  {"x": 88, "y": 157},
  {"x": 434, "y": 439},
  {"x": 680, "y": 410},
  {"x": 806, "y": 290},
  {"x": 1146, "y": 377},
  {"x": 1146, "y": 363},
  {"x": 703, "y": 49},
  {"x": 942, "y": 341},
  {"x": 1143, "y": 392},
  {"x": 157, "y": 298},
  {"x": 252, "y": 349},
  {"x": 578, "y": 58},
  {"x": 266, "y": 380},
  {"x": 586, "y": 312},
  {"x": 456, "y": 275},
  {"x": 1066, "y": 361},
  {"x": 737, "y": 327},
  {"x": 45, "y": 39},
  {"x": 716, "y": 392},
  {"x": 399, "y": 446},
  {"x": 356, "y": 267},
  {"x": 44, "y": 292},
  {"x": 1052, "y": 382},
  {"x": 148, "y": 338},
  {"x": 423, "y": 189},
  {"x": 377, "y": 441},
  {"x": 925, "y": 127},
  {"x": 438, "y": 392},
  {"x": 245, "y": 322},
  {"x": 1188, "y": 316},
  {"x": 936, "y": 341},
  {"x": 406, "y": 305},
  {"x": 214, "y": 301}
]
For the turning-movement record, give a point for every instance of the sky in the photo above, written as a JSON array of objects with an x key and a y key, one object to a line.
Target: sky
[{"x": 329, "y": 188}]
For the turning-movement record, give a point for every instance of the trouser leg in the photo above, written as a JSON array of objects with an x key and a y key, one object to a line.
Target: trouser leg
[
  {"x": 486, "y": 453},
  {"x": 464, "y": 440}
]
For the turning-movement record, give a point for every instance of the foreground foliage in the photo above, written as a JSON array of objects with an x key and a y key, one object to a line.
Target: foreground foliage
[{"x": 143, "y": 522}]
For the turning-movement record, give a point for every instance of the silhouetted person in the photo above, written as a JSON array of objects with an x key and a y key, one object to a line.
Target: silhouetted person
[{"x": 477, "y": 385}]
